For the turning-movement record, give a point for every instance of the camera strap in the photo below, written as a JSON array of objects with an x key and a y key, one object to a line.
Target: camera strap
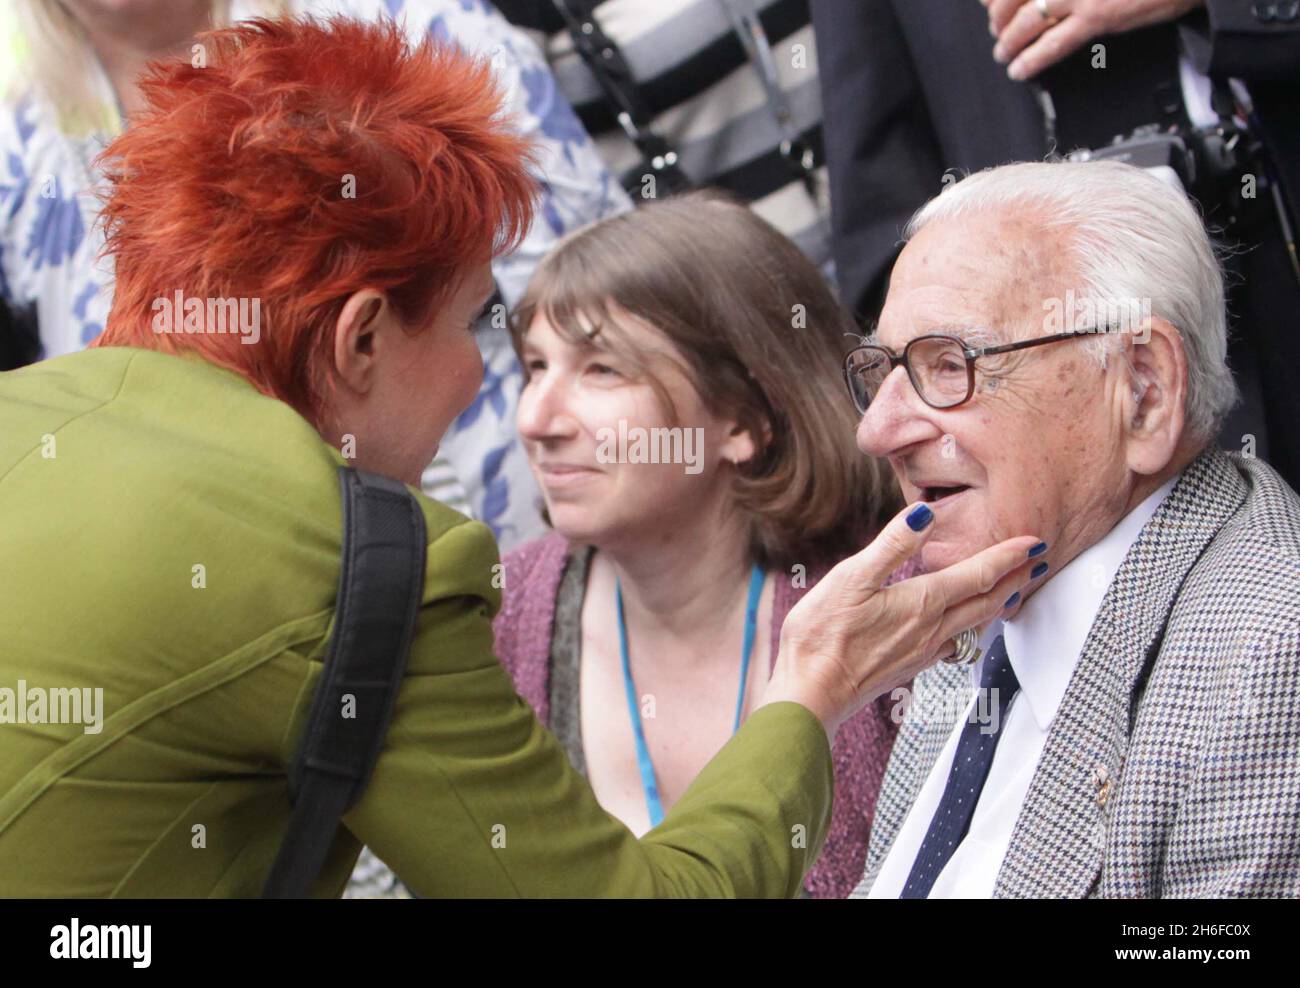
[
  {"x": 610, "y": 68},
  {"x": 1237, "y": 119},
  {"x": 749, "y": 29},
  {"x": 605, "y": 60}
]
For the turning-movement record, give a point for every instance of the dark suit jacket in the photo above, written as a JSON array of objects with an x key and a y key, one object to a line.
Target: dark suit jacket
[
  {"x": 19, "y": 343},
  {"x": 910, "y": 92}
]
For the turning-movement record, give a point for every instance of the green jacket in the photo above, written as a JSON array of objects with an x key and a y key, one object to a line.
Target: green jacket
[{"x": 171, "y": 537}]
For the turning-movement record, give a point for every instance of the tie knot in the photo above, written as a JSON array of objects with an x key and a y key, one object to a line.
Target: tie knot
[{"x": 997, "y": 673}]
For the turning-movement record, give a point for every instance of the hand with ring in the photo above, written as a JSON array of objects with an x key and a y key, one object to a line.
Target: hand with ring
[
  {"x": 1033, "y": 35},
  {"x": 965, "y": 648},
  {"x": 851, "y": 638}
]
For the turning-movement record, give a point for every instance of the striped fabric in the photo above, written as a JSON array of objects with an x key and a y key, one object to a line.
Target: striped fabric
[
  {"x": 707, "y": 99},
  {"x": 440, "y": 482}
]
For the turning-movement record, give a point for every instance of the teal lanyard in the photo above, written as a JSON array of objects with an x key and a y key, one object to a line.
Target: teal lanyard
[{"x": 648, "y": 782}]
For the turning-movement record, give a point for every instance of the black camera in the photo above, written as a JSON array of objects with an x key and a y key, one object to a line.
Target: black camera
[{"x": 1209, "y": 163}]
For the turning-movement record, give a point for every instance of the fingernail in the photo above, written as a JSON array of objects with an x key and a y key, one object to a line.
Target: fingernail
[
  {"x": 1012, "y": 600},
  {"x": 1038, "y": 571},
  {"x": 993, "y": 31},
  {"x": 919, "y": 517},
  {"x": 1037, "y": 550},
  {"x": 999, "y": 55},
  {"x": 1016, "y": 72}
]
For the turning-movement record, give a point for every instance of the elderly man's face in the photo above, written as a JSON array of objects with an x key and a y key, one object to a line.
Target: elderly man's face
[{"x": 1037, "y": 449}]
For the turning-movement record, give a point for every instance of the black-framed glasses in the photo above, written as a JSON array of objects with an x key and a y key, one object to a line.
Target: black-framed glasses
[{"x": 941, "y": 368}]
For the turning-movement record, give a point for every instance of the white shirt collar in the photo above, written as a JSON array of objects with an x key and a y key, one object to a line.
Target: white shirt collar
[{"x": 1047, "y": 635}]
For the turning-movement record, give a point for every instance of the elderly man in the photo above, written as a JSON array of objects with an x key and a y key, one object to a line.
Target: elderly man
[{"x": 1050, "y": 356}]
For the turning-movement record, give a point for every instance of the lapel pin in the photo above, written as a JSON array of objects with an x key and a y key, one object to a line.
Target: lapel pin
[{"x": 1101, "y": 779}]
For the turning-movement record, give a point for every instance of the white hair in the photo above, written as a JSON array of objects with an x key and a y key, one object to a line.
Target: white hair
[{"x": 1131, "y": 236}]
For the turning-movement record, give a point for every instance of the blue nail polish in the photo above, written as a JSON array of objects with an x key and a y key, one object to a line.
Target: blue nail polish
[
  {"x": 1038, "y": 571},
  {"x": 1038, "y": 550},
  {"x": 919, "y": 517},
  {"x": 1012, "y": 600}
]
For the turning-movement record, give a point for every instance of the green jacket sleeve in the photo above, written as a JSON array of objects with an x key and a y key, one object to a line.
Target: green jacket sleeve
[{"x": 472, "y": 796}]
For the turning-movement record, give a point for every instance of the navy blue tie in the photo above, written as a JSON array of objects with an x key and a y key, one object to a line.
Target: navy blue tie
[{"x": 970, "y": 767}]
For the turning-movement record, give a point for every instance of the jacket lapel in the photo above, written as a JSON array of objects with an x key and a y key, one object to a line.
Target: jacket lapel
[
  {"x": 1059, "y": 841},
  {"x": 931, "y": 716}
]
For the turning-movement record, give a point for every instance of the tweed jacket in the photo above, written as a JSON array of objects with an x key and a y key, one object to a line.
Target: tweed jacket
[{"x": 1172, "y": 768}]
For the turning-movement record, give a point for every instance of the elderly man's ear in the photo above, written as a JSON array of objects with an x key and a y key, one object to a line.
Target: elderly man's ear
[{"x": 1153, "y": 399}]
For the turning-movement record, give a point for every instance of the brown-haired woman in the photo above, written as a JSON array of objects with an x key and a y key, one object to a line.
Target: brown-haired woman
[{"x": 684, "y": 414}]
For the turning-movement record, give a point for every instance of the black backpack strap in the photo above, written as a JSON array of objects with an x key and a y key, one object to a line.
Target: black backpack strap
[{"x": 381, "y": 582}]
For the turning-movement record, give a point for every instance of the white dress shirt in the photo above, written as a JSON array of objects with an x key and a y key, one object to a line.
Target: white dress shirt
[{"x": 1043, "y": 643}]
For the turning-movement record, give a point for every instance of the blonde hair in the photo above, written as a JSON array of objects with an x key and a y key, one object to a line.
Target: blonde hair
[{"x": 51, "y": 56}]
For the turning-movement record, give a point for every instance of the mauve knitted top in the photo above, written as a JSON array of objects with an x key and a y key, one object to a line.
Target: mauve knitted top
[{"x": 523, "y": 630}]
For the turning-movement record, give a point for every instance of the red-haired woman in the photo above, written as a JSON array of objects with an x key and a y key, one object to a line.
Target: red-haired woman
[
  {"x": 172, "y": 526},
  {"x": 73, "y": 84}
]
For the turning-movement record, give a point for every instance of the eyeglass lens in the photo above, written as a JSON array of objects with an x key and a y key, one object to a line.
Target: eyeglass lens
[{"x": 938, "y": 370}]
